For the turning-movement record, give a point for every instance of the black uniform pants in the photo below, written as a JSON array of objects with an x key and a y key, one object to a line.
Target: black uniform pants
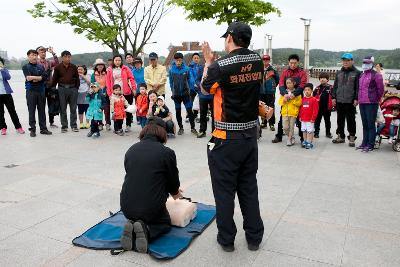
[
  {"x": 280, "y": 129},
  {"x": 157, "y": 223},
  {"x": 233, "y": 167},
  {"x": 36, "y": 100},
  {"x": 346, "y": 112},
  {"x": 269, "y": 100},
  {"x": 7, "y": 100},
  {"x": 326, "y": 114},
  {"x": 178, "y": 100},
  {"x": 205, "y": 105}
]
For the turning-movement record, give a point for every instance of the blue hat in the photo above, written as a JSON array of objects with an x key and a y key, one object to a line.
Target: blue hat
[
  {"x": 153, "y": 55},
  {"x": 348, "y": 56}
]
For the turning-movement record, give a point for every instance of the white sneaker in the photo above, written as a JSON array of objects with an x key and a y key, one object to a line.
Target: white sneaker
[
  {"x": 128, "y": 129},
  {"x": 390, "y": 141},
  {"x": 289, "y": 142}
]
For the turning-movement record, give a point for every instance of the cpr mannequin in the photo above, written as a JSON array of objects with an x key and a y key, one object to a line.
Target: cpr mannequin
[{"x": 181, "y": 211}]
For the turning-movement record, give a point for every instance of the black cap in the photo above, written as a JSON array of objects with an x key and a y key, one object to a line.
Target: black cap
[
  {"x": 153, "y": 55},
  {"x": 178, "y": 55},
  {"x": 157, "y": 121},
  {"x": 240, "y": 30},
  {"x": 138, "y": 60}
]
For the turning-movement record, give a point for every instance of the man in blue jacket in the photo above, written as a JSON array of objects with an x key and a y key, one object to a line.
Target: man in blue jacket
[
  {"x": 268, "y": 89},
  {"x": 35, "y": 76},
  {"x": 180, "y": 83},
  {"x": 205, "y": 101},
  {"x": 196, "y": 70}
]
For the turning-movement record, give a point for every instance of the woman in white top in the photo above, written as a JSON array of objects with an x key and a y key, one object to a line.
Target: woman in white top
[{"x": 83, "y": 105}]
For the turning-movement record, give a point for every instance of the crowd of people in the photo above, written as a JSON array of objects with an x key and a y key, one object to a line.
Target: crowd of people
[{"x": 102, "y": 99}]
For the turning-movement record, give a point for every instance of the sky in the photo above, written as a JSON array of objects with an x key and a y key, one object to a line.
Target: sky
[{"x": 339, "y": 25}]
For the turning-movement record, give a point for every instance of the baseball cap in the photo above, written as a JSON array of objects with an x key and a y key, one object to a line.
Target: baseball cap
[
  {"x": 240, "y": 30},
  {"x": 266, "y": 57},
  {"x": 368, "y": 60},
  {"x": 348, "y": 56},
  {"x": 153, "y": 55},
  {"x": 161, "y": 97},
  {"x": 138, "y": 60}
]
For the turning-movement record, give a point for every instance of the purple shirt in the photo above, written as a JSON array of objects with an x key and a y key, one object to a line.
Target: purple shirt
[{"x": 371, "y": 87}]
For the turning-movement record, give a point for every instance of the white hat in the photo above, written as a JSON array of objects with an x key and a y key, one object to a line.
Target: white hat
[
  {"x": 161, "y": 97},
  {"x": 99, "y": 61}
]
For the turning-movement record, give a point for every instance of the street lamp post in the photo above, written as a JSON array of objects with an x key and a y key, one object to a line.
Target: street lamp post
[
  {"x": 265, "y": 44},
  {"x": 270, "y": 47},
  {"x": 307, "y": 23}
]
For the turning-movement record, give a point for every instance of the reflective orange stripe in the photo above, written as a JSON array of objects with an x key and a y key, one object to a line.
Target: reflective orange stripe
[
  {"x": 221, "y": 134},
  {"x": 214, "y": 88},
  {"x": 218, "y": 104}
]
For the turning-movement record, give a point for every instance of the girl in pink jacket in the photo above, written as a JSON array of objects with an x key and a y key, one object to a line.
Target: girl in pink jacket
[{"x": 122, "y": 75}]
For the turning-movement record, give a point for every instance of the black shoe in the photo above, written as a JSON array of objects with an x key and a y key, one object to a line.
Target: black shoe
[
  {"x": 194, "y": 131},
  {"x": 96, "y": 135},
  {"x": 228, "y": 248},
  {"x": 126, "y": 238},
  {"x": 45, "y": 132},
  {"x": 272, "y": 127},
  {"x": 90, "y": 134},
  {"x": 329, "y": 135},
  {"x": 64, "y": 130},
  {"x": 201, "y": 134},
  {"x": 264, "y": 125},
  {"x": 253, "y": 247},
  {"x": 277, "y": 140},
  {"x": 180, "y": 132},
  {"x": 141, "y": 240},
  {"x": 75, "y": 130},
  {"x": 197, "y": 120},
  {"x": 33, "y": 134},
  {"x": 316, "y": 135}
]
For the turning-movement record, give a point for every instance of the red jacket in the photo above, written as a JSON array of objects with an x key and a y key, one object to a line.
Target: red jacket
[
  {"x": 142, "y": 103},
  {"x": 126, "y": 75},
  {"x": 309, "y": 109}
]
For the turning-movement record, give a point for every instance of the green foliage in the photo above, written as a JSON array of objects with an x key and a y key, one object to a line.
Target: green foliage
[
  {"x": 227, "y": 11},
  {"x": 118, "y": 24}
]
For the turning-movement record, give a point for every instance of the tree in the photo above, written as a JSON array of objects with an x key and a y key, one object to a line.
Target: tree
[
  {"x": 227, "y": 11},
  {"x": 118, "y": 24}
]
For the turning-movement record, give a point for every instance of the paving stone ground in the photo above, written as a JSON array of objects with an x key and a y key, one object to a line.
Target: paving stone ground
[{"x": 330, "y": 206}]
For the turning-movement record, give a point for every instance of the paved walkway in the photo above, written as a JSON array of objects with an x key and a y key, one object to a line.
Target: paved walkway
[{"x": 331, "y": 206}]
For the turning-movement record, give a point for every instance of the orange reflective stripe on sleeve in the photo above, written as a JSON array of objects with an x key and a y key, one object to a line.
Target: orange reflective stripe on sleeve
[
  {"x": 214, "y": 88},
  {"x": 218, "y": 104},
  {"x": 221, "y": 134}
]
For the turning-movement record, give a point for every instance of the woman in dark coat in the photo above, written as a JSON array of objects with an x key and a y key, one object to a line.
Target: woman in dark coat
[{"x": 151, "y": 175}]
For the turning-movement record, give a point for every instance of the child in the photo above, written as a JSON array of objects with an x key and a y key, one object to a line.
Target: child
[
  {"x": 159, "y": 109},
  {"x": 142, "y": 105},
  {"x": 308, "y": 115},
  {"x": 290, "y": 105},
  {"x": 117, "y": 106},
  {"x": 323, "y": 93},
  {"x": 394, "y": 123},
  {"x": 7, "y": 100},
  {"x": 380, "y": 125},
  {"x": 83, "y": 105},
  {"x": 96, "y": 102}
]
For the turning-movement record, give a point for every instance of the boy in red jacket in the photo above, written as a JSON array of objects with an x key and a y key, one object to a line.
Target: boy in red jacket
[
  {"x": 308, "y": 115},
  {"x": 142, "y": 105}
]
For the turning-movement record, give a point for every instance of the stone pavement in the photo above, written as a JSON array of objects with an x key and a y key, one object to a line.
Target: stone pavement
[{"x": 331, "y": 206}]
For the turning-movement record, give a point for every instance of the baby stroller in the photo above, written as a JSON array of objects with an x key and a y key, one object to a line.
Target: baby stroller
[{"x": 387, "y": 105}]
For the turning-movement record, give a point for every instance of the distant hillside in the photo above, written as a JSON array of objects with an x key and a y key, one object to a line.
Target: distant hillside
[{"x": 318, "y": 57}]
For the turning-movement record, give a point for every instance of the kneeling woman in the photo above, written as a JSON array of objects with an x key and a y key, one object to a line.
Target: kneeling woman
[{"x": 151, "y": 174}]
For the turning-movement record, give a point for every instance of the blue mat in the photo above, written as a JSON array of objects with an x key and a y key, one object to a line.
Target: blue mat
[{"x": 106, "y": 234}]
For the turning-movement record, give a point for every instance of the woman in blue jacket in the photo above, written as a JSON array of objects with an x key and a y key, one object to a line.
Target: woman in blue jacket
[{"x": 7, "y": 100}]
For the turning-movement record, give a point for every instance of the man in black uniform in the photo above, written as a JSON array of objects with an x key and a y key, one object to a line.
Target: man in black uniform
[{"x": 235, "y": 81}]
